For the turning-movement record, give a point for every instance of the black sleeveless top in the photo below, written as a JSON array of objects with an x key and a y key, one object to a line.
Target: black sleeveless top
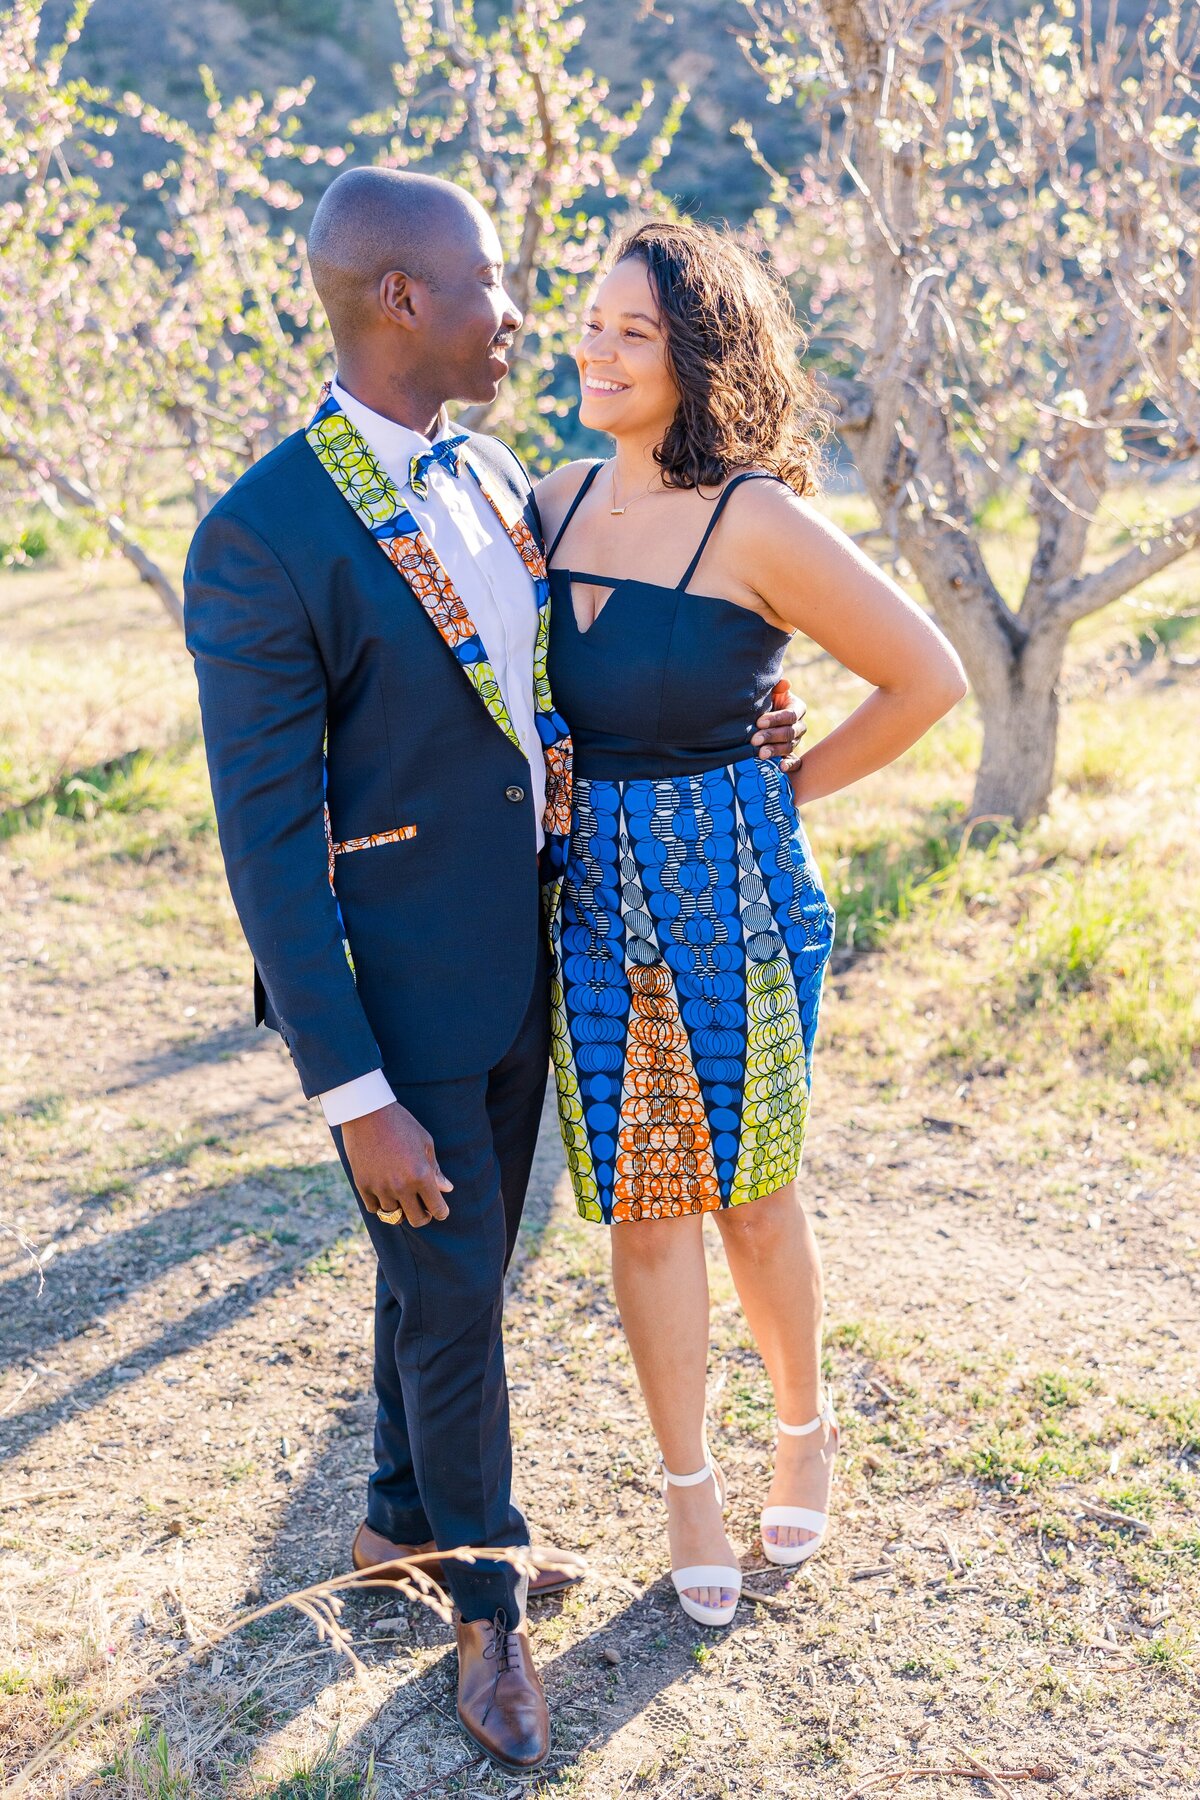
[{"x": 663, "y": 682}]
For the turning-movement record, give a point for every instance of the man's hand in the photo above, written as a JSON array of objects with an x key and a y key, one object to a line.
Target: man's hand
[
  {"x": 780, "y": 731},
  {"x": 395, "y": 1168}
]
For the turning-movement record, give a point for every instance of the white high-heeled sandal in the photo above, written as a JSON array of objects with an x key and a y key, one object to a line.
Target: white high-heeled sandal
[
  {"x": 711, "y": 1575},
  {"x": 806, "y": 1517}
]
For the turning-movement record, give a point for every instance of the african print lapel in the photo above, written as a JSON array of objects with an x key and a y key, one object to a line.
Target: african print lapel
[{"x": 348, "y": 460}]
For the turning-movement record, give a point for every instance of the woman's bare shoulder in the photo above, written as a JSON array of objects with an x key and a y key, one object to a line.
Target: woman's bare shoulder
[
  {"x": 555, "y": 492},
  {"x": 768, "y": 497},
  {"x": 770, "y": 512}
]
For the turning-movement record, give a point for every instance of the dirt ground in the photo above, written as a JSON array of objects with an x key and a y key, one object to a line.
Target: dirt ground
[
  {"x": 188, "y": 1428},
  {"x": 1008, "y": 1597}
]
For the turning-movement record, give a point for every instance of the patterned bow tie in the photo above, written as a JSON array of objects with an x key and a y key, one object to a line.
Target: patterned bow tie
[{"x": 445, "y": 452}]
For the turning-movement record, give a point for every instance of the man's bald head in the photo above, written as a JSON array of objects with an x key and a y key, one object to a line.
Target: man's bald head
[
  {"x": 371, "y": 222},
  {"x": 411, "y": 273}
]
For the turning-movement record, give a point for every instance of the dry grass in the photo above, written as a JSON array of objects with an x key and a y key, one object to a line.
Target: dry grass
[{"x": 1002, "y": 1168}]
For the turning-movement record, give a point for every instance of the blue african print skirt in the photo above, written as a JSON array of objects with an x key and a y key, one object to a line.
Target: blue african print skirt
[{"x": 690, "y": 943}]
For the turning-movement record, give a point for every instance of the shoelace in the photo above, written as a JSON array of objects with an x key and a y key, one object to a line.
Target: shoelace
[
  {"x": 445, "y": 452},
  {"x": 498, "y": 1648}
]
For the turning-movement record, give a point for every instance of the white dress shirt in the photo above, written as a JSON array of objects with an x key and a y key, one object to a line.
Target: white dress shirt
[{"x": 495, "y": 587}]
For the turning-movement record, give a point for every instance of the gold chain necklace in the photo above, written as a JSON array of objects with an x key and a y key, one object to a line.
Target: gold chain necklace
[{"x": 615, "y": 511}]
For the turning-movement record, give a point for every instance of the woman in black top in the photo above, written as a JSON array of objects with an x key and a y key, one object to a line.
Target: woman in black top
[{"x": 692, "y": 932}]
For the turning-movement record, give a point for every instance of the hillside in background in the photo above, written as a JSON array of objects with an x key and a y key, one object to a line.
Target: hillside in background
[{"x": 349, "y": 46}]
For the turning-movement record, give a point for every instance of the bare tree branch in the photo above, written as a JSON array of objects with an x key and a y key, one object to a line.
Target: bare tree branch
[
  {"x": 852, "y": 403},
  {"x": 68, "y": 488},
  {"x": 1071, "y": 601}
]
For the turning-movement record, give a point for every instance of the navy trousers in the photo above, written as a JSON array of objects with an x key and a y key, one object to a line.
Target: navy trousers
[{"x": 443, "y": 1450}]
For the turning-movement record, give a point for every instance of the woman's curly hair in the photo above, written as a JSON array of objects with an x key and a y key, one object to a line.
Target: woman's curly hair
[{"x": 734, "y": 346}]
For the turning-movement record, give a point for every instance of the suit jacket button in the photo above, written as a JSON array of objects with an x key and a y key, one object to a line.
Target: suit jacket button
[{"x": 515, "y": 794}]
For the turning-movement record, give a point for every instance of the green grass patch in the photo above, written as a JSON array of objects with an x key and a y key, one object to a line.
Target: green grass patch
[
  {"x": 47, "y": 1109},
  {"x": 138, "y": 781},
  {"x": 1170, "y": 1654},
  {"x": 324, "y": 1777},
  {"x": 151, "y": 1767},
  {"x": 1053, "y": 1389},
  {"x": 45, "y": 539},
  {"x": 1097, "y": 953},
  {"x": 1179, "y": 1421},
  {"x": 240, "y": 1469},
  {"x": 748, "y": 1405},
  {"x": 929, "y": 1665},
  {"x": 1168, "y": 632},
  {"x": 333, "y": 1261},
  {"x": 1135, "y": 1502},
  {"x": 880, "y": 881},
  {"x": 1015, "y": 1461}
]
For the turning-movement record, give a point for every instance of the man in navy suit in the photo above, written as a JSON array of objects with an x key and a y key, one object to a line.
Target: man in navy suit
[{"x": 386, "y": 768}]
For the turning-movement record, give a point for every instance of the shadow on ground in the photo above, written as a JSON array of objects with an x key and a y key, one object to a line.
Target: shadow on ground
[
  {"x": 187, "y": 1052},
  {"x": 88, "y": 1281}
]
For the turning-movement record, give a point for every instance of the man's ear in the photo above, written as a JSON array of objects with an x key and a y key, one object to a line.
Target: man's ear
[{"x": 398, "y": 299}]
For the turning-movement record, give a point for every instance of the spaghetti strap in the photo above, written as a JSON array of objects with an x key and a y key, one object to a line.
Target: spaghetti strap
[
  {"x": 584, "y": 485},
  {"x": 748, "y": 475}
]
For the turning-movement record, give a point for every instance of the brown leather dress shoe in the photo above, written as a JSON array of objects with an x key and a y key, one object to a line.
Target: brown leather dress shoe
[
  {"x": 371, "y": 1550},
  {"x": 500, "y": 1700}
]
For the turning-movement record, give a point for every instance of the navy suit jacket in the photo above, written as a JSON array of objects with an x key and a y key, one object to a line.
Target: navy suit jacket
[{"x": 299, "y": 625}]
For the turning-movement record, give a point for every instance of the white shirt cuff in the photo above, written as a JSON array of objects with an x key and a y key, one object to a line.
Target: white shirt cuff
[{"x": 354, "y": 1099}]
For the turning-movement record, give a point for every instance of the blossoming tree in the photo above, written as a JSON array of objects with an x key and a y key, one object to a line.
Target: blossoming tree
[
  {"x": 130, "y": 369},
  {"x": 1014, "y": 217},
  {"x": 140, "y": 372},
  {"x": 507, "y": 113}
]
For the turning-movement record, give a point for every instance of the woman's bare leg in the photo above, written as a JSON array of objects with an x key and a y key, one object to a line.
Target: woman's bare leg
[
  {"x": 661, "y": 1282},
  {"x": 776, "y": 1268}
]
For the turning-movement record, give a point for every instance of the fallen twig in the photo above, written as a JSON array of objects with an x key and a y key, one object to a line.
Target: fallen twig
[
  {"x": 12, "y": 1232},
  {"x": 461, "y": 1768},
  {"x": 1108, "y": 1648},
  {"x": 955, "y": 1559},
  {"x": 1108, "y": 1515},
  {"x": 1136, "y": 1749},
  {"x": 675, "y": 1788},
  {"x": 11, "y": 1405},
  {"x": 970, "y": 1770},
  {"x": 986, "y": 1774},
  {"x": 19, "y": 1499},
  {"x": 414, "y": 1712},
  {"x": 749, "y": 1593}
]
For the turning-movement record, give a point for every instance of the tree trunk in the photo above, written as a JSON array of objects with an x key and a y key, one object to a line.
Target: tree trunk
[{"x": 1018, "y": 702}]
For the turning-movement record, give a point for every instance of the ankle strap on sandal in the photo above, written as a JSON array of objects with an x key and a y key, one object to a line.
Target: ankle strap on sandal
[
  {"x": 703, "y": 1474},
  {"x": 826, "y": 1416}
]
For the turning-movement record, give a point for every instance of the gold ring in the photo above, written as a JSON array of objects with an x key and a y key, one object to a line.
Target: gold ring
[{"x": 390, "y": 1218}]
